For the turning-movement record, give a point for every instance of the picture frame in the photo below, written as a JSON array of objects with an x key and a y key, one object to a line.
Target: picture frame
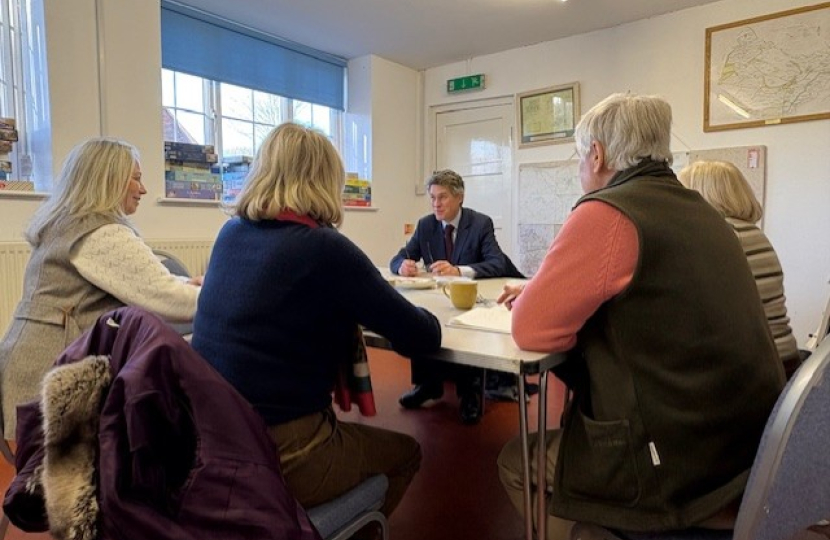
[
  {"x": 765, "y": 70},
  {"x": 548, "y": 115}
]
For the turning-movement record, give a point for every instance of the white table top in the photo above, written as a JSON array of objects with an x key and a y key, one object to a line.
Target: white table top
[{"x": 479, "y": 348}]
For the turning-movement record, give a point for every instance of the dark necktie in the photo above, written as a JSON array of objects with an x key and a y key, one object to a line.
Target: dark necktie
[{"x": 448, "y": 241}]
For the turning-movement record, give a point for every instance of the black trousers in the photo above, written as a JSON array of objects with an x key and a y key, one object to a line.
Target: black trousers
[{"x": 434, "y": 372}]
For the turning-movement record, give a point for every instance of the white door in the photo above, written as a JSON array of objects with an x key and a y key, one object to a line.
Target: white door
[{"x": 476, "y": 143}]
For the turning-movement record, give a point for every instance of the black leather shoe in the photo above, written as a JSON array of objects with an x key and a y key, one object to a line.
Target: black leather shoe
[
  {"x": 420, "y": 394},
  {"x": 470, "y": 408}
]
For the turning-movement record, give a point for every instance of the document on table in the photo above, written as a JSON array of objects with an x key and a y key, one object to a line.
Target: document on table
[{"x": 492, "y": 319}]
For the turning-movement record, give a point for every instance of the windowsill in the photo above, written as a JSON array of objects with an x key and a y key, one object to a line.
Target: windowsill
[
  {"x": 29, "y": 195},
  {"x": 203, "y": 202},
  {"x": 187, "y": 202}
]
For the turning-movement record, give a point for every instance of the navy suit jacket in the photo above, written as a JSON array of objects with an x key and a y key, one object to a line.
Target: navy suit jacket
[{"x": 475, "y": 246}]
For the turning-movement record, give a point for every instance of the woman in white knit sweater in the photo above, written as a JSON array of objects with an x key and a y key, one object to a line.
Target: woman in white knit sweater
[
  {"x": 86, "y": 260},
  {"x": 723, "y": 185}
]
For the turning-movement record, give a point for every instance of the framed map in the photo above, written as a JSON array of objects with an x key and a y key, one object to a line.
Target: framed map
[
  {"x": 768, "y": 70},
  {"x": 548, "y": 115}
]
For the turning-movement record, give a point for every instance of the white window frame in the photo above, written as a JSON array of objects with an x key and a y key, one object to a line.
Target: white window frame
[
  {"x": 213, "y": 116},
  {"x": 24, "y": 92}
]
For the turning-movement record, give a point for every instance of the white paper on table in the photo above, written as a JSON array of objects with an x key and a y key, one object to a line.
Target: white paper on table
[{"x": 492, "y": 319}]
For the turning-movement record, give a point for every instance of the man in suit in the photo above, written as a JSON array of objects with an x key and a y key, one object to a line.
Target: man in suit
[{"x": 452, "y": 241}]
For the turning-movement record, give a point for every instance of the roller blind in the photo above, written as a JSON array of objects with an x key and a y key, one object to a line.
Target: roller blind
[{"x": 201, "y": 44}]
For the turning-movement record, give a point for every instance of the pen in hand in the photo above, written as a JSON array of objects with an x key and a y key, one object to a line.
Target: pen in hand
[{"x": 409, "y": 267}]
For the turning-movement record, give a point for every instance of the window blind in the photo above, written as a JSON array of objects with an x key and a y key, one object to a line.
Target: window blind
[{"x": 201, "y": 44}]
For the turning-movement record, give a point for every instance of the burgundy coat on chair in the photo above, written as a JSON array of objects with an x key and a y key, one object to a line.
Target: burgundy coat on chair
[{"x": 143, "y": 439}]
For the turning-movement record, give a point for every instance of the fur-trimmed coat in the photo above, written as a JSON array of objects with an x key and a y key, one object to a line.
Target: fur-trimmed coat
[{"x": 137, "y": 437}]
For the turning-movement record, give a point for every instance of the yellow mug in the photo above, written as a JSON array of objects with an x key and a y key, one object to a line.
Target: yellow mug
[{"x": 462, "y": 294}]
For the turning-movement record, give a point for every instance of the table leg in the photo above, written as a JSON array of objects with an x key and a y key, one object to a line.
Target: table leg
[
  {"x": 523, "y": 433},
  {"x": 541, "y": 460}
]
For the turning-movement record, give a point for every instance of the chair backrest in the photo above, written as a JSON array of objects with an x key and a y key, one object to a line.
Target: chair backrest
[
  {"x": 172, "y": 263},
  {"x": 788, "y": 490},
  {"x": 511, "y": 270},
  {"x": 177, "y": 268},
  {"x": 822, "y": 331}
]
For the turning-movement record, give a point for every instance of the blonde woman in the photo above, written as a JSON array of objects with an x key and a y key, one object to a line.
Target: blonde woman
[
  {"x": 277, "y": 316},
  {"x": 86, "y": 260},
  {"x": 723, "y": 185}
]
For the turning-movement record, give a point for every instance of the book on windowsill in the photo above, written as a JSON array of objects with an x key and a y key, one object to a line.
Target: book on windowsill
[
  {"x": 188, "y": 147},
  {"x": 16, "y": 185},
  {"x": 238, "y": 159},
  {"x": 490, "y": 318}
]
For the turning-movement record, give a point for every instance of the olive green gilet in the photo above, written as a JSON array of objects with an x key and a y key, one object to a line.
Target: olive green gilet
[{"x": 678, "y": 373}]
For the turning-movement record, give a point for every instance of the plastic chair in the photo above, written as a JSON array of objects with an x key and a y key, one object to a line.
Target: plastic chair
[
  {"x": 172, "y": 263},
  {"x": 177, "y": 268},
  {"x": 822, "y": 331},
  {"x": 342, "y": 517},
  {"x": 786, "y": 492}
]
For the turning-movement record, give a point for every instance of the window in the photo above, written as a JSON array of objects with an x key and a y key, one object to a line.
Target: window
[
  {"x": 213, "y": 94},
  {"x": 25, "y": 152},
  {"x": 233, "y": 118}
]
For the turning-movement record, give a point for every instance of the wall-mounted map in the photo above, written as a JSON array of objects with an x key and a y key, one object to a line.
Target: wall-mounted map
[
  {"x": 768, "y": 70},
  {"x": 548, "y": 192}
]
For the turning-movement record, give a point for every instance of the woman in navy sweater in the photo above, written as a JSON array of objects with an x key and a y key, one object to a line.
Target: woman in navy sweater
[{"x": 283, "y": 296}]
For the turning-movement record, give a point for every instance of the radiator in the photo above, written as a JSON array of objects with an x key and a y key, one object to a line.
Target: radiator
[
  {"x": 13, "y": 259},
  {"x": 194, "y": 254}
]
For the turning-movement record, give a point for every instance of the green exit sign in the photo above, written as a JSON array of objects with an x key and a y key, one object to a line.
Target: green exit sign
[{"x": 463, "y": 84}]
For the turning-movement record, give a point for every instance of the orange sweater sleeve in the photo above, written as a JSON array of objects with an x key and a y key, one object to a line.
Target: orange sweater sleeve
[{"x": 591, "y": 260}]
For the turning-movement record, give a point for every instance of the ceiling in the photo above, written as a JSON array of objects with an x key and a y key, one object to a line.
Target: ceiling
[{"x": 426, "y": 33}]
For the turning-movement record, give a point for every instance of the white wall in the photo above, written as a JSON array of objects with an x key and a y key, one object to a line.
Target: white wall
[
  {"x": 384, "y": 105},
  {"x": 665, "y": 55}
]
